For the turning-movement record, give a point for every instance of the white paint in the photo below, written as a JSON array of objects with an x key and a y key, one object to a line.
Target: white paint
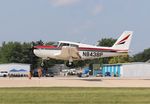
[
  {"x": 16, "y": 66},
  {"x": 136, "y": 70}
]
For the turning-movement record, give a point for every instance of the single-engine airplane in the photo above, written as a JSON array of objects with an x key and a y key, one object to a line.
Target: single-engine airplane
[{"x": 70, "y": 51}]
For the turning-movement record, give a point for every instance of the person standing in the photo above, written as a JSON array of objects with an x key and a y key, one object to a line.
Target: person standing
[
  {"x": 30, "y": 74},
  {"x": 39, "y": 72}
]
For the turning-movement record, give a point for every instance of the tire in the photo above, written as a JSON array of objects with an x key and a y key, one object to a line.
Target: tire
[{"x": 71, "y": 65}]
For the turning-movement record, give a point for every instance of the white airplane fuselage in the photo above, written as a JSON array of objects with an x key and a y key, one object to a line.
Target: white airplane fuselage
[
  {"x": 88, "y": 52},
  {"x": 70, "y": 51}
]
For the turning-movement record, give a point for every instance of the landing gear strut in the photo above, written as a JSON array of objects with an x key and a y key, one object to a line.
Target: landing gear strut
[
  {"x": 42, "y": 63},
  {"x": 69, "y": 64}
]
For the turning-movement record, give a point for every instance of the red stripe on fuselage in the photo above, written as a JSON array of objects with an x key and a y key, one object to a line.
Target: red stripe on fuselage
[
  {"x": 99, "y": 49},
  {"x": 80, "y": 48},
  {"x": 45, "y": 47}
]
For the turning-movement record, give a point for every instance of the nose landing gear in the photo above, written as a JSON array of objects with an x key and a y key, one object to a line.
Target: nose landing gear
[{"x": 42, "y": 63}]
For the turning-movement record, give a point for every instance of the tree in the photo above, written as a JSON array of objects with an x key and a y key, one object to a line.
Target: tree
[
  {"x": 16, "y": 52},
  {"x": 8, "y": 53},
  {"x": 143, "y": 56},
  {"x": 119, "y": 59},
  {"x": 108, "y": 42}
]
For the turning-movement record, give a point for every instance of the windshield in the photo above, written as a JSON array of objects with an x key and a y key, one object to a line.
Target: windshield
[
  {"x": 52, "y": 43},
  {"x": 55, "y": 44},
  {"x": 63, "y": 44},
  {"x": 67, "y": 44}
]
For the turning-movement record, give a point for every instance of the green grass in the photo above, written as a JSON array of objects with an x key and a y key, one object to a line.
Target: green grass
[{"x": 74, "y": 95}]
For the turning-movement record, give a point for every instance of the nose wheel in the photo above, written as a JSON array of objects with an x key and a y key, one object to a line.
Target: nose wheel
[{"x": 42, "y": 63}]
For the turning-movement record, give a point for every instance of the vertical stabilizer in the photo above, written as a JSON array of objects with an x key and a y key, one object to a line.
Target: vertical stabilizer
[{"x": 123, "y": 43}]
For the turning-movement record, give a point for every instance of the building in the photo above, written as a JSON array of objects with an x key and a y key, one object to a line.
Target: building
[
  {"x": 126, "y": 70},
  {"x": 112, "y": 70},
  {"x": 15, "y": 69}
]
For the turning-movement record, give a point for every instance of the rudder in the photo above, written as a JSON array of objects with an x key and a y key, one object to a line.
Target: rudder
[{"x": 123, "y": 43}]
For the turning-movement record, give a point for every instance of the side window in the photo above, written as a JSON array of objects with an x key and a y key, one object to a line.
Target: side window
[
  {"x": 63, "y": 44},
  {"x": 73, "y": 45}
]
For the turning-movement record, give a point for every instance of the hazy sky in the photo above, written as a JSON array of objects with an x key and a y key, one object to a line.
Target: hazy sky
[{"x": 84, "y": 21}]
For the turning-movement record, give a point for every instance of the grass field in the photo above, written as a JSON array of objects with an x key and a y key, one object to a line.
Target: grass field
[{"x": 74, "y": 95}]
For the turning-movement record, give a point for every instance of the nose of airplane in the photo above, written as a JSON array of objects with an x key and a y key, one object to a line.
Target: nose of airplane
[
  {"x": 43, "y": 51},
  {"x": 36, "y": 52}
]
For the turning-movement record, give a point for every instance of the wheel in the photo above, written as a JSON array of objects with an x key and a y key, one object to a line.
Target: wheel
[{"x": 70, "y": 64}]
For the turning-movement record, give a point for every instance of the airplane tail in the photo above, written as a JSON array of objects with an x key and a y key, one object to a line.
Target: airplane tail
[{"x": 123, "y": 43}]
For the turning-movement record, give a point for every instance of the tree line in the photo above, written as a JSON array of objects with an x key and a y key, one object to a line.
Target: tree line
[{"x": 22, "y": 52}]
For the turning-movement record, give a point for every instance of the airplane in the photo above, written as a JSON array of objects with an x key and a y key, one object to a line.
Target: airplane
[{"x": 70, "y": 51}]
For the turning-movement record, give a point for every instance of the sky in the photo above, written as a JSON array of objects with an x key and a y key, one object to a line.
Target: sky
[{"x": 85, "y": 21}]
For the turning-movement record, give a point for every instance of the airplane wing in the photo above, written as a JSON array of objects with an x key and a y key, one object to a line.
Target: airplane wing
[{"x": 69, "y": 52}]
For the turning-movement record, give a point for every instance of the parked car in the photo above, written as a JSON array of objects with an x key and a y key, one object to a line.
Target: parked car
[
  {"x": 72, "y": 72},
  {"x": 51, "y": 74},
  {"x": 99, "y": 74},
  {"x": 3, "y": 73},
  {"x": 107, "y": 74}
]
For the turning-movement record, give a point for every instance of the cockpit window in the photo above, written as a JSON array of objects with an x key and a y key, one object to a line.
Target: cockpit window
[
  {"x": 63, "y": 44},
  {"x": 55, "y": 44},
  {"x": 67, "y": 44},
  {"x": 52, "y": 43},
  {"x": 73, "y": 45}
]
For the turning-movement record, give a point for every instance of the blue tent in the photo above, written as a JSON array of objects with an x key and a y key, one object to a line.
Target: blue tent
[{"x": 13, "y": 70}]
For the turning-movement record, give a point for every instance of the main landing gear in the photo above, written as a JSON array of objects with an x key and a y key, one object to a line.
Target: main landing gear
[{"x": 70, "y": 64}]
